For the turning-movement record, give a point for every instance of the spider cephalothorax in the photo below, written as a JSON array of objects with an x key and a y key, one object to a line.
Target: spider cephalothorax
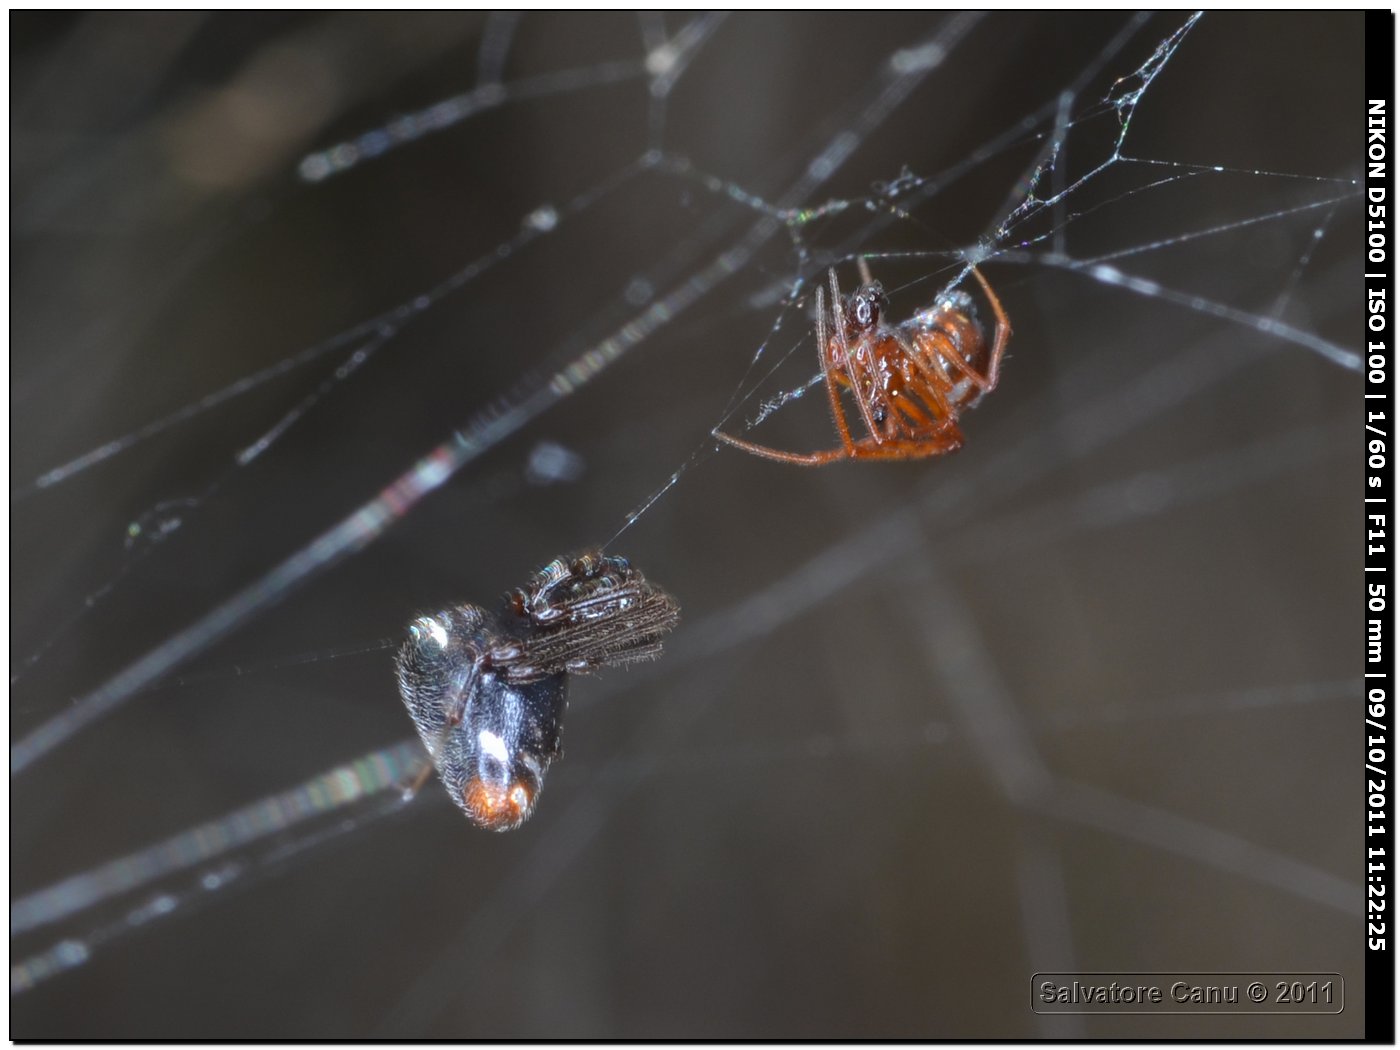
[{"x": 865, "y": 306}]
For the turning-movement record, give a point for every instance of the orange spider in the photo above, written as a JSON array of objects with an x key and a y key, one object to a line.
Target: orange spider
[{"x": 910, "y": 380}]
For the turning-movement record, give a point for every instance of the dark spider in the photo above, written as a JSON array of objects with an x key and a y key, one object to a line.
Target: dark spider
[
  {"x": 910, "y": 381},
  {"x": 487, "y": 692},
  {"x": 589, "y": 611}
]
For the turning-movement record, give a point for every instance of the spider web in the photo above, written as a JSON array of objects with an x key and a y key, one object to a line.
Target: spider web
[{"x": 926, "y": 728}]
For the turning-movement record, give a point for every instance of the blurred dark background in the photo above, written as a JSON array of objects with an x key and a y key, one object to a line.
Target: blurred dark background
[{"x": 1072, "y": 699}]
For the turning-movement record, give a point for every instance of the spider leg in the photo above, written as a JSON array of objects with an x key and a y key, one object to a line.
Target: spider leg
[
  {"x": 937, "y": 382},
  {"x": 833, "y": 393},
  {"x": 801, "y": 459},
  {"x": 828, "y": 374},
  {"x": 866, "y": 415},
  {"x": 462, "y": 694},
  {"x": 410, "y": 787},
  {"x": 988, "y": 382},
  {"x": 1003, "y": 332},
  {"x": 864, "y": 266},
  {"x": 948, "y": 438}
]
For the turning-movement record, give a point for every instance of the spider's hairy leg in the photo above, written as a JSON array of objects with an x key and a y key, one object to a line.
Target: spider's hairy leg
[
  {"x": 986, "y": 383},
  {"x": 833, "y": 392},
  {"x": 800, "y": 459},
  {"x": 934, "y": 389},
  {"x": 838, "y": 317},
  {"x": 830, "y": 376},
  {"x": 945, "y": 439}
]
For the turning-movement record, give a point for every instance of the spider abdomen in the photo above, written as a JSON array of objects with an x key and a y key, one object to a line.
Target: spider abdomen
[{"x": 494, "y": 757}]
